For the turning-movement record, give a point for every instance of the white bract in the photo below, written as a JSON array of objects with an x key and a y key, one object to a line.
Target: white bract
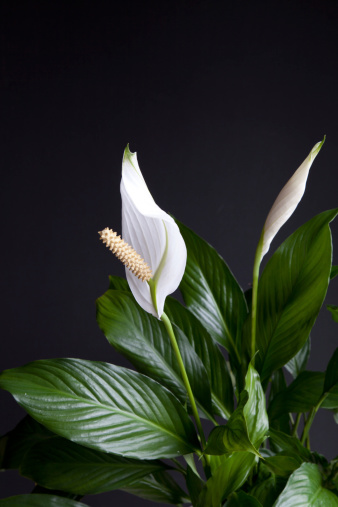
[
  {"x": 287, "y": 200},
  {"x": 154, "y": 235}
]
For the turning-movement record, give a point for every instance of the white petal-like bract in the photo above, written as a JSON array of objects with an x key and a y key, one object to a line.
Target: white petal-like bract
[
  {"x": 288, "y": 199},
  {"x": 153, "y": 234}
]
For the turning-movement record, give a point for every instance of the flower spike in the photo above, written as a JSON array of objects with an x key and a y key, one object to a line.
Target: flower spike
[{"x": 126, "y": 254}]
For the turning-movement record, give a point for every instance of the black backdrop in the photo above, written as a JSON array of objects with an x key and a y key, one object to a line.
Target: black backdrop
[{"x": 221, "y": 100}]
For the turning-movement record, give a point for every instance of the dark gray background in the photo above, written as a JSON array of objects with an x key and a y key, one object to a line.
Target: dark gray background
[{"x": 221, "y": 100}]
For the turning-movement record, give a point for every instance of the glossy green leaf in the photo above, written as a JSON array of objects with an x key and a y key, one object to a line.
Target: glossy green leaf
[
  {"x": 242, "y": 499},
  {"x": 60, "y": 464},
  {"x": 160, "y": 487},
  {"x": 303, "y": 394},
  {"x": 212, "y": 293},
  {"x": 331, "y": 374},
  {"x": 209, "y": 353},
  {"x": 39, "y": 501},
  {"x": 298, "y": 363},
  {"x": 234, "y": 435},
  {"x": 334, "y": 272},
  {"x": 291, "y": 291},
  {"x": 304, "y": 487},
  {"x": 254, "y": 411},
  {"x": 102, "y": 406},
  {"x": 17, "y": 442},
  {"x": 333, "y": 309},
  {"x": 143, "y": 339},
  {"x": 228, "y": 477}
]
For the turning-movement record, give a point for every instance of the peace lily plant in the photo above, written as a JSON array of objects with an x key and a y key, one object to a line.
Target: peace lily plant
[{"x": 93, "y": 427}]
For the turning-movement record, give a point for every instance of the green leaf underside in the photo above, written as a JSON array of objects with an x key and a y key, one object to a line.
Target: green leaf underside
[
  {"x": 212, "y": 293},
  {"x": 159, "y": 487},
  {"x": 17, "y": 442},
  {"x": 298, "y": 363},
  {"x": 291, "y": 291},
  {"x": 39, "y": 501},
  {"x": 209, "y": 353},
  {"x": 63, "y": 465},
  {"x": 234, "y": 436},
  {"x": 228, "y": 477},
  {"x": 303, "y": 394},
  {"x": 304, "y": 487},
  {"x": 143, "y": 339},
  {"x": 104, "y": 407},
  {"x": 242, "y": 499}
]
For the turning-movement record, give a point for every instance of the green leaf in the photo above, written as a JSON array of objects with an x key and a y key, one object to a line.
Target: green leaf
[
  {"x": 331, "y": 374},
  {"x": 17, "y": 442},
  {"x": 283, "y": 465},
  {"x": 209, "y": 353},
  {"x": 212, "y": 293},
  {"x": 334, "y": 272},
  {"x": 333, "y": 309},
  {"x": 194, "y": 484},
  {"x": 303, "y": 394},
  {"x": 290, "y": 445},
  {"x": 291, "y": 291},
  {"x": 118, "y": 283},
  {"x": 298, "y": 363},
  {"x": 102, "y": 406},
  {"x": 66, "y": 466},
  {"x": 159, "y": 487},
  {"x": 267, "y": 486},
  {"x": 39, "y": 501},
  {"x": 242, "y": 499},
  {"x": 278, "y": 384},
  {"x": 304, "y": 487},
  {"x": 254, "y": 411},
  {"x": 228, "y": 477},
  {"x": 234, "y": 436},
  {"x": 143, "y": 339}
]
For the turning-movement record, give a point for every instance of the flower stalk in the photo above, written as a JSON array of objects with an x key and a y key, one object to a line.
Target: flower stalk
[{"x": 177, "y": 352}]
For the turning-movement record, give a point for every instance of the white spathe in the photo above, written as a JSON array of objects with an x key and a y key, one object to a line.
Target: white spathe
[
  {"x": 288, "y": 199},
  {"x": 153, "y": 234}
]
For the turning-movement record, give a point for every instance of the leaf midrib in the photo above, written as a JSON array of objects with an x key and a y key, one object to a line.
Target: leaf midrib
[{"x": 109, "y": 408}]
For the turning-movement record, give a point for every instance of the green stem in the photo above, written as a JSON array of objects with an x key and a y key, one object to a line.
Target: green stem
[
  {"x": 311, "y": 417},
  {"x": 177, "y": 352},
  {"x": 295, "y": 426},
  {"x": 255, "y": 277}
]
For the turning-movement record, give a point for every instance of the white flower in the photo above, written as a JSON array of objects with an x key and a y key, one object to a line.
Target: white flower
[
  {"x": 154, "y": 235},
  {"x": 287, "y": 200}
]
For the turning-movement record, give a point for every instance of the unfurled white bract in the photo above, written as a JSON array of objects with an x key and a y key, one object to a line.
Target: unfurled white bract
[
  {"x": 287, "y": 200},
  {"x": 154, "y": 235}
]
